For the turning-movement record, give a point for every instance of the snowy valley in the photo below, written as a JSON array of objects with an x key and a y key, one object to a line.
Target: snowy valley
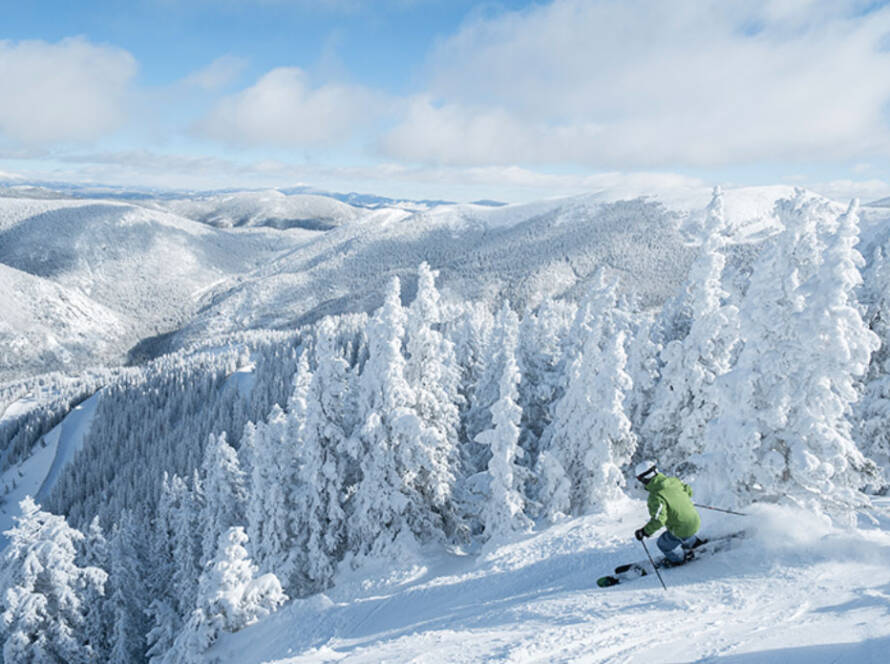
[{"x": 278, "y": 427}]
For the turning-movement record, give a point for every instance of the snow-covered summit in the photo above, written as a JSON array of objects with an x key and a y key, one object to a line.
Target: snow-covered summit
[{"x": 264, "y": 208}]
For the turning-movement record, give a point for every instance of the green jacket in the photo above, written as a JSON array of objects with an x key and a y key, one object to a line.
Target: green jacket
[{"x": 670, "y": 504}]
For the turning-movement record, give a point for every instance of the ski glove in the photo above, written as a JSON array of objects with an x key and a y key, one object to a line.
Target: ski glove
[{"x": 640, "y": 533}]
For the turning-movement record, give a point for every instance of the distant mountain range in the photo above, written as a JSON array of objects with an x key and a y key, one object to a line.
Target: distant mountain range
[{"x": 48, "y": 189}]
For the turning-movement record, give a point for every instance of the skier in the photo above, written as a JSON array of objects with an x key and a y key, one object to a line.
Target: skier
[{"x": 670, "y": 504}]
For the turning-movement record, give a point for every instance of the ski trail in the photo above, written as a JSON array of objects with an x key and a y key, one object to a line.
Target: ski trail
[{"x": 73, "y": 429}]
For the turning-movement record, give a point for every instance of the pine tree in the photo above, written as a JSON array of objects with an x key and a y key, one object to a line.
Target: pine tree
[
  {"x": 385, "y": 504},
  {"x": 230, "y": 597},
  {"x": 93, "y": 551},
  {"x": 540, "y": 348},
  {"x": 323, "y": 475},
  {"x": 432, "y": 373},
  {"x": 873, "y": 412},
  {"x": 127, "y": 594},
  {"x": 684, "y": 400},
  {"x": 187, "y": 506},
  {"x": 223, "y": 491},
  {"x": 591, "y": 438},
  {"x": 783, "y": 430},
  {"x": 268, "y": 506},
  {"x": 44, "y": 611},
  {"x": 503, "y": 511},
  {"x": 164, "y": 620}
]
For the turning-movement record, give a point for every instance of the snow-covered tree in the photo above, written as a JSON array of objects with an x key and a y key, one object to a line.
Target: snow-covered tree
[
  {"x": 590, "y": 438},
  {"x": 273, "y": 451},
  {"x": 391, "y": 498},
  {"x": 164, "y": 620},
  {"x": 127, "y": 593},
  {"x": 684, "y": 401},
  {"x": 44, "y": 610},
  {"x": 503, "y": 511},
  {"x": 432, "y": 373},
  {"x": 541, "y": 334},
  {"x": 93, "y": 551},
  {"x": 224, "y": 492},
  {"x": 471, "y": 332},
  {"x": 323, "y": 475},
  {"x": 873, "y": 413},
  {"x": 186, "y": 507},
  {"x": 230, "y": 597},
  {"x": 783, "y": 429}
]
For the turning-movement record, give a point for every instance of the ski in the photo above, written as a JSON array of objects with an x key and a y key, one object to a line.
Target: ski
[{"x": 630, "y": 571}]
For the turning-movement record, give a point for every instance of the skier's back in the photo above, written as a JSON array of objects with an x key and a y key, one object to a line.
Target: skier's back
[{"x": 670, "y": 506}]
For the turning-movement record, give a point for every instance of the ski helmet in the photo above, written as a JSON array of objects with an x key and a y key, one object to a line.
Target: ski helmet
[{"x": 646, "y": 470}]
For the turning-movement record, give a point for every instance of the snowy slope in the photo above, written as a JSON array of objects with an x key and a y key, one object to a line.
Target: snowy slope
[
  {"x": 796, "y": 590},
  {"x": 130, "y": 272},
  {"x": 71, "y": 271},
  {"x": 36, "y": 476},
  {"x": 524, "y": 252},
  {"x": 45, "y": 325}
]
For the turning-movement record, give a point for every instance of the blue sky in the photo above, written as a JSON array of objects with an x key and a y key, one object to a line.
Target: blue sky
[{"x": 449, "y": 98}]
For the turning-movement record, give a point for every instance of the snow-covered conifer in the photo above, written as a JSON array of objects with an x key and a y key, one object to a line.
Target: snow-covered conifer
[
  {"x": 684, "y": 401},
  {"x": 94, "y": 552},
  {"x": 44, "y": 609},
  {"x": 187, "y": 506},
  {"x": 222, "y": 481},
  {"x": 268, "y": 511},
  {"x": 431, "y": 371},
  {"x": 230, "y": 597},
  {"x": 387, "y": 502},
  {"x": 873, "y": 412},
  {"x": 503, "y": 511},
  {"x": 162, "y": 613},
  {"x": 591, "y": 437},
  {"x": 323, "y": 476},
  {"x": 471, "y": 332},
  {"x": 127, "y": 593},
  {"x": 541, "y": 335},
  {"x": 783, "y": 429}
]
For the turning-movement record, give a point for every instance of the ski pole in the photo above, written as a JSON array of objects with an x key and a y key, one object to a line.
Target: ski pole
[
  {"x": 657, "y": 573},
  {"x": 719, "y": 509}
]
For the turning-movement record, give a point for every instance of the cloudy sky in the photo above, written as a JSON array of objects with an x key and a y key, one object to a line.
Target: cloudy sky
[{"x": 455, "y": 99}]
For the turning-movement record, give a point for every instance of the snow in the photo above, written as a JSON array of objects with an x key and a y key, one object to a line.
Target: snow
[
  {"x": 19, "y": 407},
  {"x": 122, "y": 273},
  {"x": 264, "y": 208},
  {"x": 81, "y": 282},
  {"x": 36, "y": 475},
  {"x": 796, "y": 590},
  {"x": 70, "y": 439},
  {"x": 25, "y": 479},
  {"x": 243, "y": 378}
]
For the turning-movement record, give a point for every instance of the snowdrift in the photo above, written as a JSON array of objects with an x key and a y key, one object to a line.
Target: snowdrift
[{"x": 795, "y": 590}]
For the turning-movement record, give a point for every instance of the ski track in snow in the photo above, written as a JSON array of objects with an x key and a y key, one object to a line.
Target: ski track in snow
[
  {"x": 817, "y": 595},
  {"x": 36, "y": 475}
]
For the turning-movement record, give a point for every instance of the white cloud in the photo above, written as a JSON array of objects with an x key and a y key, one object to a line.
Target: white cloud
[
  {"x": 145, "y": 168},
  {"x": 844, "y": 190},
  {"x": 218, "y": 74},
  {"x": 72, "y": 90},
  {"x": 654, "y": 83},
  {"x": 281, "y": 109},
  {"x": 454, "y": 134}
]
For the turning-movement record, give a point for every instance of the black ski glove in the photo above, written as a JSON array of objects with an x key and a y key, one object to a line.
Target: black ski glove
[{"x": 639, "y": 533}]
